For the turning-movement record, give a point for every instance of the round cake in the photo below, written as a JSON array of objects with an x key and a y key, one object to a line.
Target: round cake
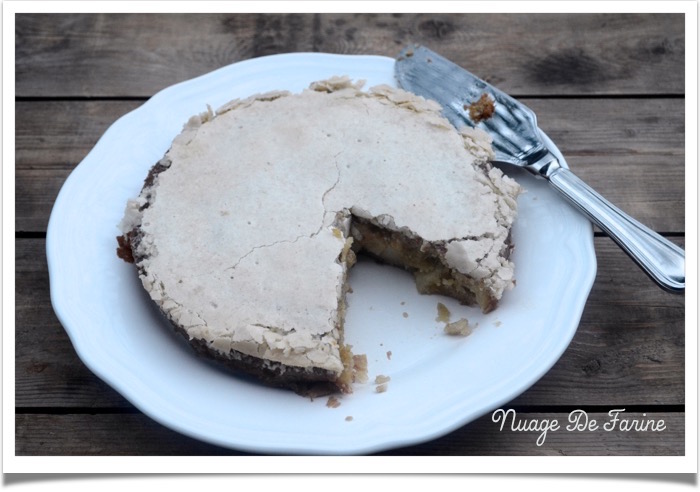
[{"x": 244, "y": 232}]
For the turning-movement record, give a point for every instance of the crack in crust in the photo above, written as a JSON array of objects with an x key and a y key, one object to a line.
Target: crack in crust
[{"x": 301, "y": 236}]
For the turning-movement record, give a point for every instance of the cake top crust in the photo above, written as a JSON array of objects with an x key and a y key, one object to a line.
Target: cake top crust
[{"x": 242, "y": 233}]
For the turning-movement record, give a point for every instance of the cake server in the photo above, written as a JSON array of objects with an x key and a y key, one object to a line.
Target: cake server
[{"x": 517, "y": 141}]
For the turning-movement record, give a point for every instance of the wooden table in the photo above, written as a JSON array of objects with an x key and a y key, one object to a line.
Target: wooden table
[{"x": 609, "y": 89}]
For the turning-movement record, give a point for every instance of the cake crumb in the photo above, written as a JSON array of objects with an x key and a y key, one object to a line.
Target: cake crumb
[
  {"x": 443, "y": 313},
  {"x": 460, "y": 327},
  {"x": 388, "y": 354},
  {"x": 482, "y": 109},
  {"x": 497, "y": 323},
  {"x": 405, "y": 314},
  {"x": 381, "y": 388},
  {"x": 381, "y": 379},
  {"x": 348, "y": 418},
  {"x": 124, "y": 251},
  {"x": 333, "y": 402},
  {"x": 359, "y": 369}
]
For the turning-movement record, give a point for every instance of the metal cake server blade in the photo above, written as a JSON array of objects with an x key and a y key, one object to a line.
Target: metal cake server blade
[{"x": 517, "y": 141}]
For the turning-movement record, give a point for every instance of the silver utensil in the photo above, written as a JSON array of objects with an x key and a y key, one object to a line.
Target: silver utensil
[{"x": 517, "y": 141}]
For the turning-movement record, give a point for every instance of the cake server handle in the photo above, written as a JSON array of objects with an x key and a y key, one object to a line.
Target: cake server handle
[{"x": 661, "y": 259}]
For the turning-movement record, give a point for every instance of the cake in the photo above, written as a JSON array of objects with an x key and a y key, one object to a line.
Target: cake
[
  {"x": 482, "y": 109},
  {"x": 244, "y": 232}
]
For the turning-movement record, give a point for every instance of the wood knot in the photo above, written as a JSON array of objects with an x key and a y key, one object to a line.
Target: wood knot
[
  {"x": 436, "y": 28},
  {"x": 592, "y": 367}
]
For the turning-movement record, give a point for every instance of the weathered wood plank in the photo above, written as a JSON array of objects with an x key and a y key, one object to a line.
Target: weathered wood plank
[
  {"x": 629, "y": 348},
  {"x": 48, "y": 371},
  {"x": 102, "y": 435},
  {"x": 51, "y": 138},
  {"x": 136, "y": 434},
  {"x": 639, "y": 142},
  {"x": 631, "y": 335},
  {"x": 59, "y": 134},
  {"x": 535, "y": 54}
]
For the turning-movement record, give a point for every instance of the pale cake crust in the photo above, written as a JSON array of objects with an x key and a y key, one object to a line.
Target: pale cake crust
[{"x": 242, "y": 235}]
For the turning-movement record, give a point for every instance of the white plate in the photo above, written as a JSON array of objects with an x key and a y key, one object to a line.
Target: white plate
[{"x": 438, "y": 383}]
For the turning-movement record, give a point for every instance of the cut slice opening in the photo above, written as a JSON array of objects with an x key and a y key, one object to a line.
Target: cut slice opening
[{"x": 425, "y": 260}]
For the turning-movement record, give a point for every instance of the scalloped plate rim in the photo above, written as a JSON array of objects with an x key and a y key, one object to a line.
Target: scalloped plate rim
[{"x": 252, "y": 442}]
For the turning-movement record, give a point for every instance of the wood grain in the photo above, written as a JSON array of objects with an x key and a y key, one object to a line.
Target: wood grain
[
  {"x": 544, "y": 54},
  {"x": 137, "y": 435},
  {"x": 629, "y": 348},
  {"x": 639, "y": 142}
]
